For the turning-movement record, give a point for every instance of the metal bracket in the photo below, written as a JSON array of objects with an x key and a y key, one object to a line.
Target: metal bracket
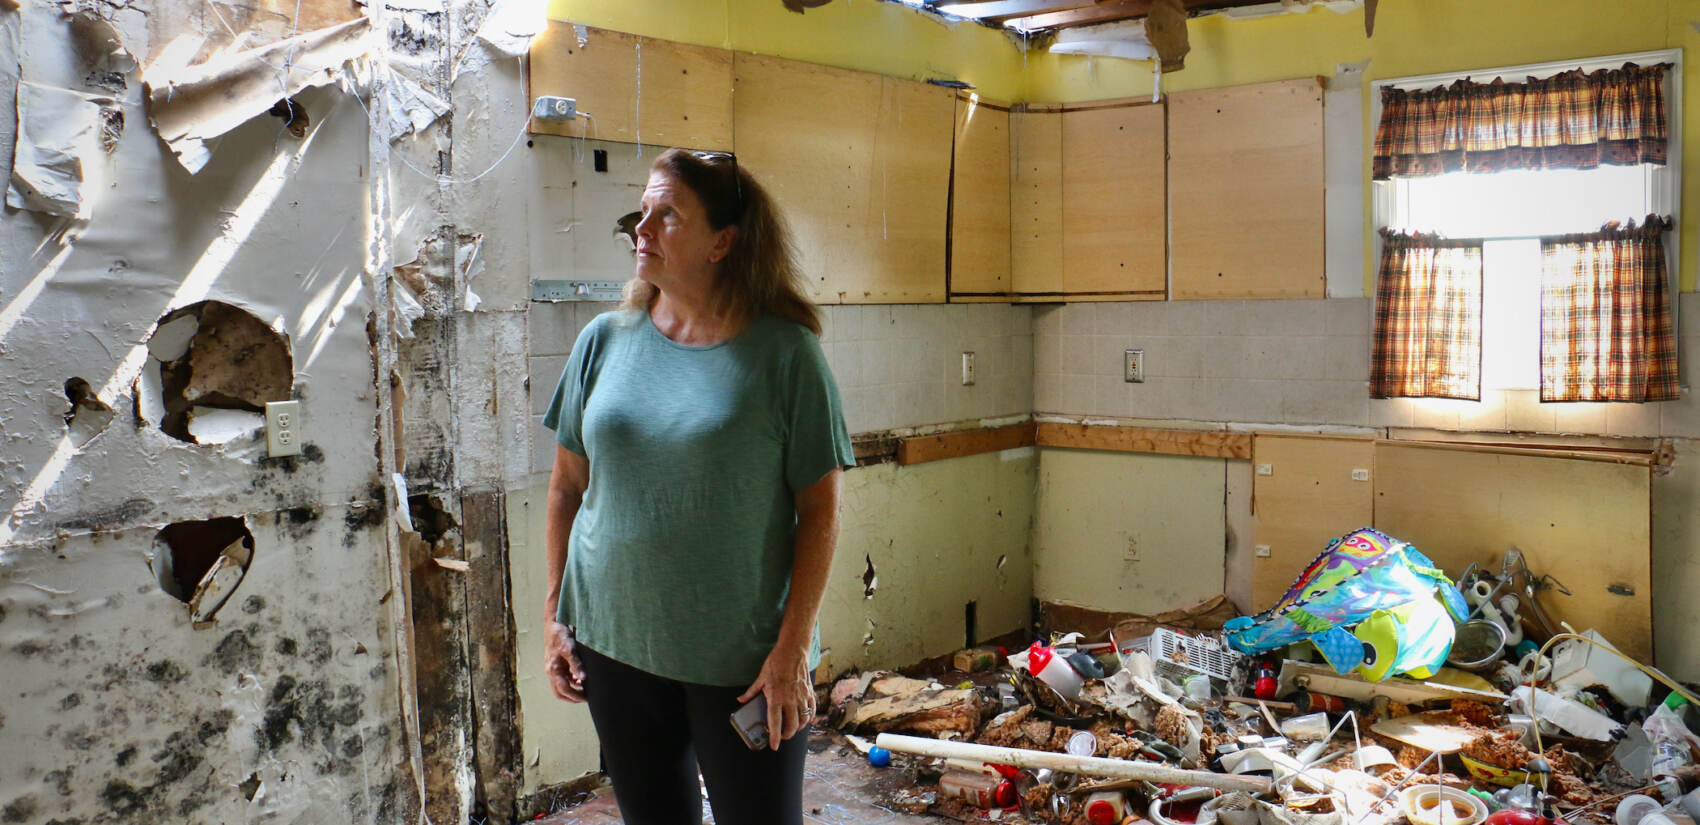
[{"x": 554, "y": 291}]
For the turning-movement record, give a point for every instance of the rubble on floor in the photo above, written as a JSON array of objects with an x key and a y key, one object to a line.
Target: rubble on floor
[{"x": 1376, "y": 691}]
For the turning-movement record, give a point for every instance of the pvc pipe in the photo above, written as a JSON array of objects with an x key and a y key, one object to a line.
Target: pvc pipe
[{"x": 1089, "y": 765}]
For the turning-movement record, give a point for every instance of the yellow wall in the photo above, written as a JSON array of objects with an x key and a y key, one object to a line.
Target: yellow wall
[
  {"x": 866, "y": 35},
  {"x": 1412, "y": 38}
]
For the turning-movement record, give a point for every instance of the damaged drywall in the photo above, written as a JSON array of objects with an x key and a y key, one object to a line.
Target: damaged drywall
[
  {"x": 191, "y": 103},
  {"x": 211, "y": 369},
  {"x": 278, "y": 711}
]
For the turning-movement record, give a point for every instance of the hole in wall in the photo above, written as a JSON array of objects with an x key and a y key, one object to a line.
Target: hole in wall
[
  {"x": 870, "y": 579},
  {"x": 1002, "y": 560},
  {"x": 250, "y": 786},
  {"x": 430, "y": 520},
  {"x": 88, "y": 415},
  {"x": 200, "y": 563},
  {"x": 211, "y": 369},
  {"x": 970, "y": 623},
  {"x": 293, "y": 115},
  {"x": 868, "y": 637}
]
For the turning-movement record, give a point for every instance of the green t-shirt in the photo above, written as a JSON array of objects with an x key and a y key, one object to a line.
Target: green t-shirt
[{"x": 680, "y": 556}]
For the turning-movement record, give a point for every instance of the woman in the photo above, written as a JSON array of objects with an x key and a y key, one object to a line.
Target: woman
[{"x": 693, "y": 505}]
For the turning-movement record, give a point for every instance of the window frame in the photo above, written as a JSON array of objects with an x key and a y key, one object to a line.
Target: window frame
[{"x": 1664, "y": 184}]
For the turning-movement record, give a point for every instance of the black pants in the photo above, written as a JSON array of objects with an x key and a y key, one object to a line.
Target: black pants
[{"x": 656, "y": 734}]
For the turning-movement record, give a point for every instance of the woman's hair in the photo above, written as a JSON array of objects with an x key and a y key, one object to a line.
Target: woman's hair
[{"x": 760, "y": 275}]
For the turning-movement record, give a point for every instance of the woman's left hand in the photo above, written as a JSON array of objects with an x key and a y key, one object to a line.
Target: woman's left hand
[{"x": 784, "y": 680}]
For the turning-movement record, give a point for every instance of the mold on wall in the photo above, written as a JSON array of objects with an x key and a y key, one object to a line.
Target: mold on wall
[{"x": 122, "y": 708}]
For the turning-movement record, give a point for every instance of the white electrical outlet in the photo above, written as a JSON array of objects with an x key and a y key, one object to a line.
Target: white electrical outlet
[
  {"x": 1266, "y": 469},
  {"x": 967, "y": 368},
  {"x": 283, "y": 428},
  {"x": 1133, "y": 366},
  {"x": 1263, "y": 551},
  {"x": 554, "y": 109},
  {"x": 1360, "y": 474}
]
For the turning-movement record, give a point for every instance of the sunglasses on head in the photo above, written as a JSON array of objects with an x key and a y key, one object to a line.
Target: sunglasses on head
[{"x": 737, "y": 180}]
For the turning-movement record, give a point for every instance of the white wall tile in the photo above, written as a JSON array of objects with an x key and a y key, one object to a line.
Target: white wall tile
[
  {"x": 1348, "y": 316},
  {"x": 1633, "y": 419},
  {"x": 1390, "y": 412},
  {"x": 1486, "y": 414},
  {"x": 1579, "y": 417},
  {"x": 1524, "y": 412}
]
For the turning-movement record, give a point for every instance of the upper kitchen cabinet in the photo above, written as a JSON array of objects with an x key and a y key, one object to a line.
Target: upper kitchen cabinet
[
  {"x": 1087, "y": 202},
  {"x": 634, "y": 89},
  {"x": 1114, "y": 229},
  {"x": 1246, "y": 173},
  {"x": 860, "y": 166},
  {"x": 980, "y": 196}
]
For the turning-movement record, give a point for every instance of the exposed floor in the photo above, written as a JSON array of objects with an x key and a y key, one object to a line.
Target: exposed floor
[{"x": 839, "y": 788}]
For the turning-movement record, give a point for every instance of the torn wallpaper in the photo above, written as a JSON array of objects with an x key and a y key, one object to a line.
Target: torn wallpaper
[
  {"x": 191, "y": 104},
  {"x": 57, "y": 128}
]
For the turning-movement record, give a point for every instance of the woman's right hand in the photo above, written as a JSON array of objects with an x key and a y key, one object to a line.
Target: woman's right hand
[{"x": 560, "y": 662}]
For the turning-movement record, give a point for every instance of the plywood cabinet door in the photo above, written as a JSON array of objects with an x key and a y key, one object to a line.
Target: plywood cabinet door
[
  {"x": 860, "y": 167},
  {"x": 636, "y": 89},
  {"x": 1246, "y": 189},
  {"x": 980, "y": 201},
  {"x": 803, "y": 130},
  {"x": 1035, "y": 210},
  {"x": 1113, "y": 209},
  {"x": 1304, "y": 495},
  {"x": 908, "y": 200}
]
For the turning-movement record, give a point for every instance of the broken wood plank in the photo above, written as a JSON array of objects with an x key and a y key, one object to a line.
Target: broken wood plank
[
  {"x": 1207, "y": 443},
  {"x": 490, "y": 636},
  {"x": 926, "y": 711},
  {"x": 1419, "y": 731},
  {"x": 456, "y": 565},
  {"x": 924, "y": 448}
]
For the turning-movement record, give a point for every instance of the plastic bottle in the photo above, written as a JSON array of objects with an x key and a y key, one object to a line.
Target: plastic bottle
[
  {"x": 977, "y": 789},
  {"x": 1670, "y": 739},
  {"x": 1106, "y": 808}
]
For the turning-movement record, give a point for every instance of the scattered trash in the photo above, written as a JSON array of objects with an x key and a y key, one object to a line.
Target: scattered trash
[{"x": 1333, "y": 708}]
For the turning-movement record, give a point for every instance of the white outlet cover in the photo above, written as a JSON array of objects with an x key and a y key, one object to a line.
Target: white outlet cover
[
  {"x": 1266, "y": 469},
  {"x": 1360, "y": 474},
  {"x": 1263, "y": 551},
  {"x": 283, "y": 428}
]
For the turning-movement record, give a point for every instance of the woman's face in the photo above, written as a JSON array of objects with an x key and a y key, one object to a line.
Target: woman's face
[{"x": 676, "y": 246}]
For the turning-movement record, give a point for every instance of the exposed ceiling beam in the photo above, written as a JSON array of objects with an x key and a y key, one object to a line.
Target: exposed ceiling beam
[
  {"x": 1098, "y": 13},
  {"x": 1105, "y": 12},
  {"x": 998, "y": 11}
]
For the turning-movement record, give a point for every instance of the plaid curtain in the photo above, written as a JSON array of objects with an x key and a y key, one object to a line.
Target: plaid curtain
[
  {"x": 1605, "y": 316},
  {"x": 1428, "y": 318},
  {"x": 1568, "y": 121}
]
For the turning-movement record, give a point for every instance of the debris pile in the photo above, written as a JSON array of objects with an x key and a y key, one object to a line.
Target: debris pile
[{"x": 1369, "y": 694}]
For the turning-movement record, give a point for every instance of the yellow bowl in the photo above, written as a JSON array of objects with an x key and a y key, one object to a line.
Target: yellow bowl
[{"x": 1494, "y": 773}]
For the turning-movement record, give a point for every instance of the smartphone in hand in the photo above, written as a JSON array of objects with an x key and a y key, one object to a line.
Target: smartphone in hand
[{"x": 750, "y": 721}]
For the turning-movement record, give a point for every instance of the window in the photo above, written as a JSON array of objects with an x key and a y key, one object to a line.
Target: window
[{"x": 1511, "y": 210}]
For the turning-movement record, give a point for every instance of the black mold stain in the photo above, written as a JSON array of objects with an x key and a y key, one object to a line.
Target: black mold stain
[
  {"x": 298, "y": 521},
  {"x": 285, "y": 646},
  {"x": 29, "y": 648},
  {"x": 71, "y": 700},
  {"x": 122, "y": 798},
  {"x": 318, "y": 645},
  {"x": 80, "y": 739},
  {"x": 21, "y": 809},
  {"x": 111, "y": 517},
  {"x": 311, "y": 711},
  {"x": 177, "y": 759},
  {"x": 164, "y": 671},
  {"x": 234, "y": 654},
  {"x": 2, "y": 613},
  {"x": 60, "y": 780},
  {"x": 253, "y": 604},
  {"x": 126, "y": 756},
  {"x": 310, "y": 454}
]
